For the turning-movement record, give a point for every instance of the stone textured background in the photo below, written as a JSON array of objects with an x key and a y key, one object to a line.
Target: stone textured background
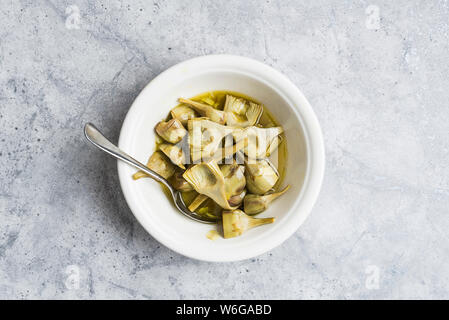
[{"x": 379, "y": 91}]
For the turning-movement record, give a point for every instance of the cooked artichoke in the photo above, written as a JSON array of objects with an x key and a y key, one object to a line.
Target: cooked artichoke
[
  {"x": 171, "y": 131},
  {"x": 206, "y": 178},
  {"x": 239, "y": 113},
  {"x": 260, "y": 176},
  {"x": 261, "y": 142},
  {"x": 174, "y": 153},
  {"x": 237, "y": 199},
  {"x": 205, "y": 139},
  {"x": 183, "y": 113},
  {"x": 213, "y": 235},
  {"x": 229, "y": 151},
  {"x": 236, "y": 222},
  {"x": 160, "y": 164},
  {"x": 179, "y": 183},
  {"x": 206, "y": 110},
  {"x": 235, "y": 181},
  {"x": 199, "y": 199},
  {"x": 254, "y": 204}
]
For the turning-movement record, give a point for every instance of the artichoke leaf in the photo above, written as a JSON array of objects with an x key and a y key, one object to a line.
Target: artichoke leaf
[
  {"x": 199, "y": 200},
  {"x": 206, "y": 178},
  {"x": 206, "y": 110}
]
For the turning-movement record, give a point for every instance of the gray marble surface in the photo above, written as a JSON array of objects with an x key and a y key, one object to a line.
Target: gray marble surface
[{"x": 375, "y": 72}]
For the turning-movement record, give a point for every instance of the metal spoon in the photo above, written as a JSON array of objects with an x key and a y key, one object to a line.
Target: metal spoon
[{"x": 99, "y": 140}]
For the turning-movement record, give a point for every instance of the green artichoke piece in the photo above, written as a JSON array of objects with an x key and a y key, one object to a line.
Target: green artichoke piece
[
  {"x": 206, "y": 178},
  {"x": 179, "y": 183},
  {"x": 261, "y": 142},
  {"x": 236, "y": 222},
  {"x": 199, "y": 200},
  {"x": 171, "y": 131},
  {"x": 183, "y": 113},
  {"x": 174, "y": 153},
  {"x": 160, "y": 164},
  {"x": 205, "y": 138},
  {"x": 240, "y": 113},
  {"x": 254, "y": 204},
  {"x": 235, "y": 182},
  {"x": 206, "y": 110}
]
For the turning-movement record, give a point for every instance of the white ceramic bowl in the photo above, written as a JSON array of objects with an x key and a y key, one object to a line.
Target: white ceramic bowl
[{"x": 305, "y": 161}]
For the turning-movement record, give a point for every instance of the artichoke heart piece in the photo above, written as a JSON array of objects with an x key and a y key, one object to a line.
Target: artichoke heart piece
[
  {"x": 254, "y": 204},
  {"x": 236, "y": 222},
  {"x": 205, "y": 139},
  {"x": 206, "y": 110},
  {"x": 260, "y": 176},
  {"x": 261, "y": 142},
  {"x": 160, "y": 164},
  {"x": 179, "y": 183},
  {"x": 235, "y": 182},
  {"x": 183, "y": 113},
  {"x": 199, "y": 199},
  {"x": 206, "y": 178},
  {"x": 171, "y": 131},
  {"x": 174, "y": 153},
  {"x": 239, "y": 113},
  {"x": 237, "y": 199}
]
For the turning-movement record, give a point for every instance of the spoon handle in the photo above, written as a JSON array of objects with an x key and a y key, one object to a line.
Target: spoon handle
[{"x": 99, "y": 140}]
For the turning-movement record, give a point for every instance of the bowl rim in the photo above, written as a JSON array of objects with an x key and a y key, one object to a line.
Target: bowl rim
[{"x": 312, "y": 136}]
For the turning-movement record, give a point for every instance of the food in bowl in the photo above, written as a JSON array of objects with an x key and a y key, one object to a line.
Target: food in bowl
[{"x": 226, "y": 153}]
